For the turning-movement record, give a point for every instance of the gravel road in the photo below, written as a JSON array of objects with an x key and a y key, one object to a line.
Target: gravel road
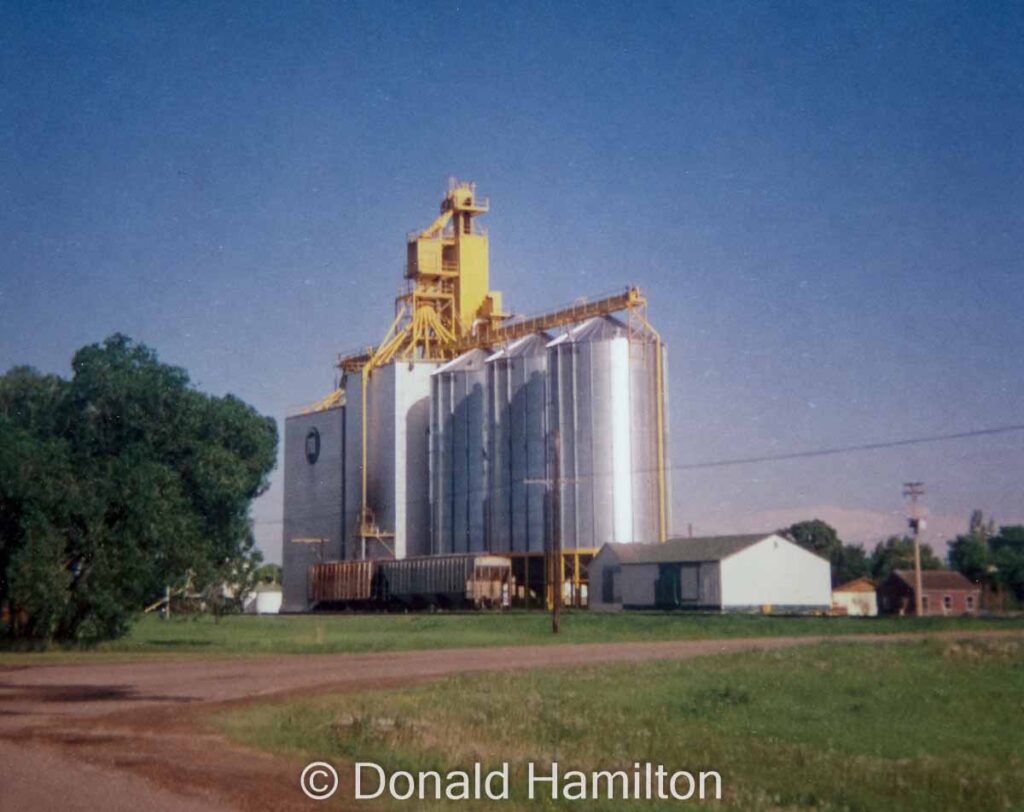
[{"x": 135, "y": 735}]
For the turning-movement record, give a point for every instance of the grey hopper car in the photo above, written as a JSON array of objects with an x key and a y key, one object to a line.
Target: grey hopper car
[{"x": 446, "y": 581}]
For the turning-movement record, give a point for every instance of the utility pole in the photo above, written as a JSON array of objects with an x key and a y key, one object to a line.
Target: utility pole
[
  {"x": 553, "y": 544},
  {"x": 556, "y": 535},
  {"x": 913, "y": 490}
]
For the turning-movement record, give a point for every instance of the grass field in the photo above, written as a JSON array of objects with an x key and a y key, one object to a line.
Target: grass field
[
  {"x": 915, "y": 726},
  {"x": 309, "y": 634}
]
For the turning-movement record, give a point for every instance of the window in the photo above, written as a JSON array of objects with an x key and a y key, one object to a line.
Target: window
[
  {"x": 947, "y": 602},
  {"x": 924, "y": 603},
  {"x": 970, "y": 603}
]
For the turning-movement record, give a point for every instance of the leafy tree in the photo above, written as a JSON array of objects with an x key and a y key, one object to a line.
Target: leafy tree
[
  {"x": 994, "y": 560},
  {"x": 972, "y": 557},
  {"x": 1011, "y": 537},
  {"x": 970, "y": 554},
  {"x": 979, "y": 528},
  {"x": 1009, "y": 571},
  {"x": 847, "y": 561},
  {"x": 229, "y": 586},
  {"x": 1008, "y": 560},
  {"x": 270, "y": 574},
  {"x": 897, "y": 553},
  {"x": 853, "y": 563},
  {"x": 37, "y": 491},
  {"x": 817, "y": 536},
  {"x": 118, "y": 482}
]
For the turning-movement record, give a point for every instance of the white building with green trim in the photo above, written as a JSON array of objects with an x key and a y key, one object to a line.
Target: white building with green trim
[{"x": 752, "y": 573}]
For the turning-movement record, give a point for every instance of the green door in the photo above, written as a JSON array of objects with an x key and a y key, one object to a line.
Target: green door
[{"x": 668, "y": 593}]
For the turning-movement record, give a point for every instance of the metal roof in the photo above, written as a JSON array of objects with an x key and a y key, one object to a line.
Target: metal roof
[
  {"x": 856, "y": 585},
  {"x": 532, "y": 344},
  {"x": 598, "y": 328},
  {"x": 707, "y": 548},
  {"x": 936, "y": 579},
  {"x": 469, "y": 361}
]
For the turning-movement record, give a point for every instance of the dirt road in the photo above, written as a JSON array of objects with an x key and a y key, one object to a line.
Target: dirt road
[{"x": 126, "y": 736}]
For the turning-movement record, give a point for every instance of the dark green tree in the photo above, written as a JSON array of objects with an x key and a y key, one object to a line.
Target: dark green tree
[
  {"x": 1009, "y": 536},
  {"x": 972, "y": 557},
  {"x": 897, "y": 553},
  {"x": 853, "y": 563},
  {"x": 817, "y": 536},
  {"x": 270, "y": 574},
  {"x": 116, "y": 483},
  {"x": 971, "y": 554},
  {"x": 1008, "y": 560},
  {"x": 847, "y": 561}
]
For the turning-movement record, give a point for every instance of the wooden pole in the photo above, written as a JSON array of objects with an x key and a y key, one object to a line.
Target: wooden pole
[
  {"x": 556, "y": 536},
  {"x": 914, "y": 490}
]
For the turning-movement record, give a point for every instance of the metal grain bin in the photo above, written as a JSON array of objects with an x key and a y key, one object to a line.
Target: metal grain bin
[
  {"x": 397, "y": 423},
  {"x": 457, "y": 461},
  {"x": 602, "y": 403},
  {"x": 516, "y": 431}
]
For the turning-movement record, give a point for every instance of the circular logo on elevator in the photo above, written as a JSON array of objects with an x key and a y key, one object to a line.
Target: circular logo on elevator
[{"x": 313, "y": 446}]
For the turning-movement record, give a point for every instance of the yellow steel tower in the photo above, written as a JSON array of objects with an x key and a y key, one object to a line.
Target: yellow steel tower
[
  {"x": 446, "y": 307},
  {"x": 447, "y": 296},
  {"x": 446, "y": 299},
  {"x": 448, "y": 265}
]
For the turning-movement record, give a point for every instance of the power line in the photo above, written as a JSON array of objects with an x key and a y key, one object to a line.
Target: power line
[
  {"x": 848, "y": 449},
  {"x": 794, "y": 455}
]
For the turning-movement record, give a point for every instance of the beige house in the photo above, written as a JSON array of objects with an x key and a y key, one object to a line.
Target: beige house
[{"x": 856, "y": 598}]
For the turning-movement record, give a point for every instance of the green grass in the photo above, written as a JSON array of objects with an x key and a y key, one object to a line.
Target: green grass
[
  {"x": 936, "y": 725},
  {"x": 307, "y": 634}
]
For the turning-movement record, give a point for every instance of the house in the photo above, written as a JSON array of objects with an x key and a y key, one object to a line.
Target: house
[
  {"x": 944, "y": 592},
  {"x": 763, "y": 572},
  {"x": 855, "y": 598}
]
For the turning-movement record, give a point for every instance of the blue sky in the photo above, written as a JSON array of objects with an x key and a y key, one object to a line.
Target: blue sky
[{"x": 824, "y": 202}]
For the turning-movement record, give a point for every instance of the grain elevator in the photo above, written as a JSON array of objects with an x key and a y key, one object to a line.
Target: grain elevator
[{"x": 442, "y": 441}]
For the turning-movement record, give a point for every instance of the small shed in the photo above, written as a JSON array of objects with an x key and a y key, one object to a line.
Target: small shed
[
  {"x": 265, "y": 600},
  {"x": 760, "y": 572},
  {"x": 944, "y": 592},
  {"x": 855, "y": 598}
]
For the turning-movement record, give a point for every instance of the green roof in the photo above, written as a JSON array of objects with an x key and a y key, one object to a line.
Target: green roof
[{"x": 707, "y": 548}]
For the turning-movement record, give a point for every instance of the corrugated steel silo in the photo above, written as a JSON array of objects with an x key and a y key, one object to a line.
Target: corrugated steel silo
[
  {"x": 457, "y": 460},
  {"x": 397, "y": 421},
  {"x": 516, "y": 443},
  {"x": 602, "y": 402}
]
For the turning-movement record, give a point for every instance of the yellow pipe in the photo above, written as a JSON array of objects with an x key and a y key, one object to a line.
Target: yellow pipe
[
  {"x": 384, "y": 349},
  {"x": 660, "y": 394},
  {"x": 365, "y": 507},
  {"x": 438, "y": 225},
  {"x": 577, "y": 599},
  {"x": 561, "y": 579}
]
